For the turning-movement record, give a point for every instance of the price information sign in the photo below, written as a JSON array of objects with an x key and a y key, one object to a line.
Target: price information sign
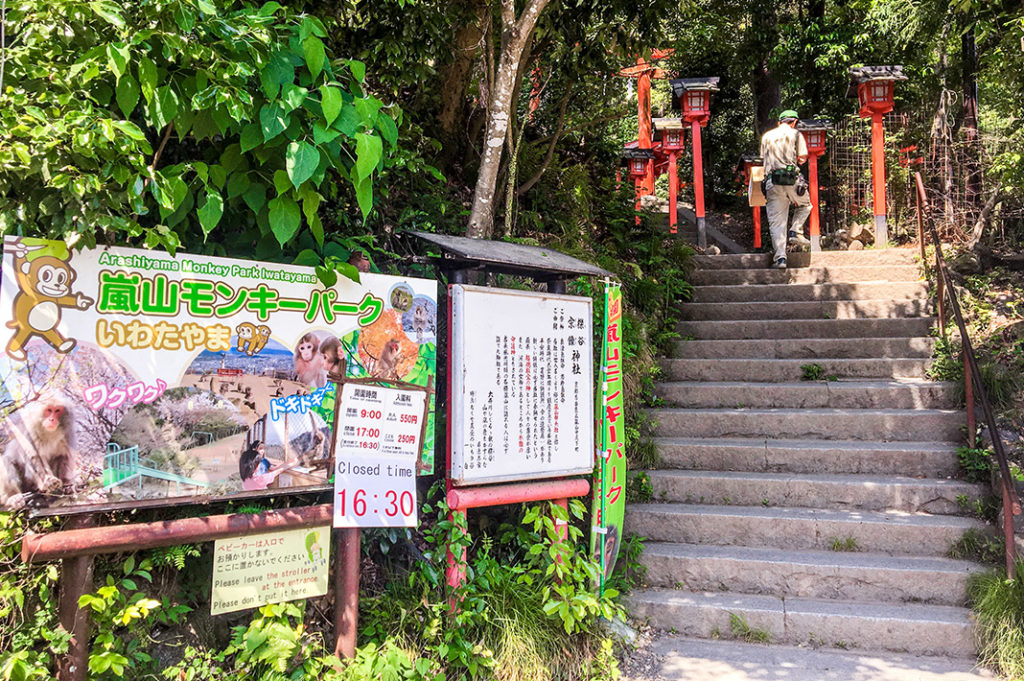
[{"x": 375, "y": 455}]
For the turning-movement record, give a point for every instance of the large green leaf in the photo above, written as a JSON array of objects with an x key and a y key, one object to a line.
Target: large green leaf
[
  {"x": 255, "y": 197},
  {"x": 165, "y": 106},
  {"x": 323, "y": 134},
  {"x": 252, "y": 137},
  {"x": 127, "y": 94},
  {"x": 358, "y": 69},
  {"x": 273, "y": 121},
  {"x": 292, "y": 96},
  {"x": 210, "y": 211},
  {"x": 368, "y": 153},
  {"x": 284, "y": 218},
  {"x": 330, "y": 102},
  {"x": 313, "y": 51},
  {"x": 238, "y": 184},
  {"x": 364, "y": 195},
  {"x": 301, "y": 160},
  {"x": 147, "y": 78},
  {"x": 117, "y": 59},
  {"x": 388, "y": 129}
]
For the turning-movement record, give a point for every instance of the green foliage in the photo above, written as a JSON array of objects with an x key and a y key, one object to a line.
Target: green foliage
[
  {"x": 638, "y": 487},
  {"x": 998, "y": 604},
  {"x": 845, "y": 544},
  {"x": 812, "y": 372},
  {"x": 629, "y": 571},
  {"x": 30, "y": 639},
  {"x": 167, "y": 122},
  {"x": 526, "y": 610},
  {"x": 975, "y": 463},
  {"x": 121, "y": 615},
  {"x": 979, "y": 546},
  {"x": 743, "y": 631}
]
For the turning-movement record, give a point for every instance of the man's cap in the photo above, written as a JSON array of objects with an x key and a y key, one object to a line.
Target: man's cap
[{"x": 788, "y": 113}]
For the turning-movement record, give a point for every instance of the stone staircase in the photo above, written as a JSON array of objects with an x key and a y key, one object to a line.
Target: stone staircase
[{"x": 813, "y": 512}]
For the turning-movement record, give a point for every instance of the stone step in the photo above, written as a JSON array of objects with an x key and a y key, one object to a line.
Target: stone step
[
  {"x": 908, "y": 290},
  {"x": 926, "y": 459},
  {"x": 814, "y": 309},
  {"x": 814, "y": 490},
  {"x": 775, "y": 370},
  {"x": 840, "y": 575},
  {"x": 689, "y": 659},
  {"x": 893, "y": 532},
  {"x": 807, "y": 275},
  {"x": 915, "y": 628},
  {"x": 805, "y": 328},
  {"x": 806, "y": 348},
  {"x": 869, "y": 258},
  {"x": 825, "y": 424},
  {"x": 845, "y": 394}
]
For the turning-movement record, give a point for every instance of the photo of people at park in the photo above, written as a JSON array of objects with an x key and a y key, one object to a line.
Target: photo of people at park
[{"x": 248, "y": 408}]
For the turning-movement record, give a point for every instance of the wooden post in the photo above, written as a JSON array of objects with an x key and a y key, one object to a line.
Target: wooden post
[
  {"x": 346, "y": 591},
  {"x": 75, "y": 582}
]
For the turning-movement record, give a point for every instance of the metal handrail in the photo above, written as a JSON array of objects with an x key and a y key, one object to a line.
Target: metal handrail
[{"x": 972, "y": 375}]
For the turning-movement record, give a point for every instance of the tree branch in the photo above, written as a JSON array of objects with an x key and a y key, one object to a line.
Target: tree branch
[
  {"x": 979, "y": 225},
  {"x": 562, "y": 106}
]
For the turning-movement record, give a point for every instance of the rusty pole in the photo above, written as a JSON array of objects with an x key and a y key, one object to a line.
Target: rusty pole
[
  {"x": 75, "y": 582},
  {"x": 346, "y": 591}
]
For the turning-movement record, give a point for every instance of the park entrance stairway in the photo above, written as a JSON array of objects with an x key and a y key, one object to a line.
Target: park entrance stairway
[{"x": 808, "y": 512}]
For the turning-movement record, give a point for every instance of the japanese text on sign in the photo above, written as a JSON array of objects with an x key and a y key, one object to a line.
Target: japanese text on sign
[
  {"x": 269, "y": 568},
  {"x": 522, "y": 379},
  {"x": 375, "y": 456}
]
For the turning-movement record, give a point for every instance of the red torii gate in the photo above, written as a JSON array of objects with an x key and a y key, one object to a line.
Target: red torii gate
[{"x": 644, "y": 71}]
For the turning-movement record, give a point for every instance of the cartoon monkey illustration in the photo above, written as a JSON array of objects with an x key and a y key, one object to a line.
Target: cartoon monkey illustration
[
  {"x": 44, "y": 282},
  {"x": 261, "y": 339},
  {"x": 251, "y": 339}
]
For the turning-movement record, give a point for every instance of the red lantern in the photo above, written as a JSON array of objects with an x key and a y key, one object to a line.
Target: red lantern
[
  {"x": 875, "y": 86},
  {"x": 637, "y": 168},
  {"x": 670, "y": 131},
  {"x": 693, "y": 96}
]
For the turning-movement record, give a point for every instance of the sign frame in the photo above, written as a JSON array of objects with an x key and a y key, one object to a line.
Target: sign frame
[{"x": 457, "y": 371}]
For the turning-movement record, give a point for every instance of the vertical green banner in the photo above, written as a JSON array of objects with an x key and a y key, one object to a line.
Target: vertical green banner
[{"x": 610, "y": 471}]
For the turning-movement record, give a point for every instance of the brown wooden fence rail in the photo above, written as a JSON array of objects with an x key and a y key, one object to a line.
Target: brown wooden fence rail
[{"x": 974, "y": 388}]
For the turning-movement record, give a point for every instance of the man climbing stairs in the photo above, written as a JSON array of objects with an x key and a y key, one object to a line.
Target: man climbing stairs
[{"x": 806, "y": 493}]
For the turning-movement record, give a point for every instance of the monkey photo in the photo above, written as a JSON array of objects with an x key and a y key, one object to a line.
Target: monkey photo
[
  {"x": 309, "y": 368},
  {"x": 38, "y": 458},
  {"x": 330, "y": 354},
  {"x": 44, "y": 287},
  {"x": 421, "y": 322},
  {"x": 386, "y": 366}
]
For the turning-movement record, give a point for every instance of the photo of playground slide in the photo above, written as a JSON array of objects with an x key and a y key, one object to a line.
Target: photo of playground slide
[{"x": 186, "y": 443}]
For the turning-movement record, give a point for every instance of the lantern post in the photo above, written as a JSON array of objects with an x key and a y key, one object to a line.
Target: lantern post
[
  {"x": 644, "y": 71},
  {"x": 874, "y": 86},
  {"x": 670, "y": 130},
  {"x": 694, "y": 97},
  {"x": 814, "y": 132},
  {"x": 751, "y": 161},
  {"x": 637, "y": 161}
]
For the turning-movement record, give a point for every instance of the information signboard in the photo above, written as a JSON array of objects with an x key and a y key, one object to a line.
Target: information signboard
[
  {"x": 376, "y": 450},
  {"x": 522, "y": 385},
  {"x": 269, "y": 568},
  {"x": 135, "y": 375}
]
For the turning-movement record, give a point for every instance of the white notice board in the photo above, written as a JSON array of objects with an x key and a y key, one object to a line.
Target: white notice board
[
  {"x": 522, "y": 385},
  {"x": 375, "y": 454}
]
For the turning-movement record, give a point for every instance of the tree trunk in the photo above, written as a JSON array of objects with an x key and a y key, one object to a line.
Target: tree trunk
[
  {"x": 972, "y": 165},
  {"x": 765, "y": 85},
  {"x": 515, "y": 34},
  {"x": 453, "y": 116}
]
